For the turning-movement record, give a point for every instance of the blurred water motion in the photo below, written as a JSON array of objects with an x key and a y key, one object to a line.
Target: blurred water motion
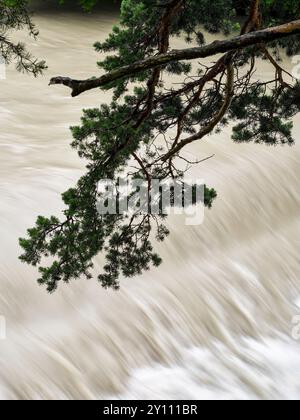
[{"x": 214, "y": 321}]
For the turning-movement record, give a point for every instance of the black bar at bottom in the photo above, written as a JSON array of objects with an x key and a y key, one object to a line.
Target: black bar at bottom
[{"x": 127, "y": 409}]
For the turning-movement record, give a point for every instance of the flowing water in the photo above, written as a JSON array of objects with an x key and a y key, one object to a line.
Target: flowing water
[{"x": 214, "y": 321}]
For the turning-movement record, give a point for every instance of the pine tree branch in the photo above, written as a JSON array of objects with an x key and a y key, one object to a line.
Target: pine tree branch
[
  {"x": 215, "y": 120},
  {"x": 217, "y": 47}
]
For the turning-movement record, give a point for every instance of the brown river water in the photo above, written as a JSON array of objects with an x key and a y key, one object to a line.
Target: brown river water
[{"x": 213, "y": 322}]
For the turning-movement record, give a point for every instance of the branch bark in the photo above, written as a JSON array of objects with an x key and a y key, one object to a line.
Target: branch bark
[
  {"x": 254, "y": 20},
  {"x": 217, "y": 47}
]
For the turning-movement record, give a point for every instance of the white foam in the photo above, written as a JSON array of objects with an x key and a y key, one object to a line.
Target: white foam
[{"x": 254, "y": 370}]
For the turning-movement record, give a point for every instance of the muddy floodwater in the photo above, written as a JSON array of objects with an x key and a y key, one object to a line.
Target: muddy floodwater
[{"x": 214, "y": 321}]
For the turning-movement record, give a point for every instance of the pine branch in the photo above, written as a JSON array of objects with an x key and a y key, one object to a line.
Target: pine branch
[{"x": 217, "y": 47}]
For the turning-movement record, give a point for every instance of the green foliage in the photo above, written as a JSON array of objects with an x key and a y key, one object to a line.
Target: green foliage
[
  {"x": 266, "y": 118},
  {"x": 87, "y": 5},
  {"x": 14, "y": 15},
  {"x": 141, "y": 124}
]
